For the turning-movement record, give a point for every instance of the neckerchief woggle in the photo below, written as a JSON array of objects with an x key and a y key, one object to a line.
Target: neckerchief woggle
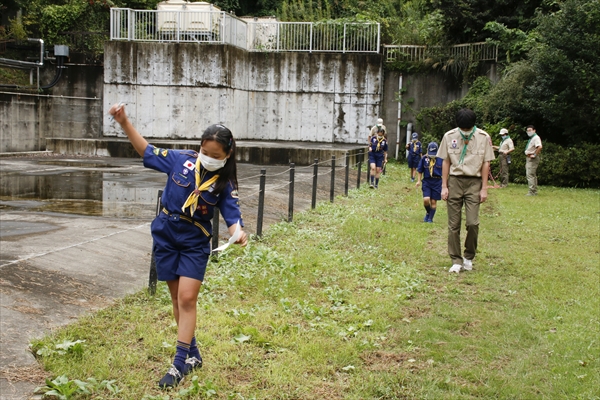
[
  {"x": 192, "y": 200},
  {"x": 466, "y": 140}
]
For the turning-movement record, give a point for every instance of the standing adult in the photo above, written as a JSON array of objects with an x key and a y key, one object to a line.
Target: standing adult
[
  {"x": 467, "y": 152},
  {"x": 378, "y": 129},
  {"x": 532, "y": 152},
  {"x": 415, "y": 152},
  {"x": 506, "y": 147}
]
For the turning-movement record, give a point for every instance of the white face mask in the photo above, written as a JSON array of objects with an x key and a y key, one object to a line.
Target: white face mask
[
  {"x": 530, "y": 134},
  {"x": 379, "y": 137},
  {"x": 212, "y": 164}
]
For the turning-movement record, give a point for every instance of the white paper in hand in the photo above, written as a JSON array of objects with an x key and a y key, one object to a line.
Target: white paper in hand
[{"x": 232, "y": 239}]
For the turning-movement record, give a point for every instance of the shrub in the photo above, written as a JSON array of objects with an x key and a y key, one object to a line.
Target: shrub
[{"x": 559, "y": 166}]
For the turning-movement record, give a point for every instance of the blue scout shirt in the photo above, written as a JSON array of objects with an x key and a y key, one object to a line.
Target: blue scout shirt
[
  {"x": 414, "y": 150},
  {"x": 180, "y": 165},
  {"x": 430, "y": 165},
  {"x": 383, "y": 146}
]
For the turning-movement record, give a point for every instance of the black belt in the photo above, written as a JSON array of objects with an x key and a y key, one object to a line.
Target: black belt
[{"x": 187, "y": 219}]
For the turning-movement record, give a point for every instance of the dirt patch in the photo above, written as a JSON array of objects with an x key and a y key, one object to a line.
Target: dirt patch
[
  {"x": 31, "y": 373},
  {"x": 384, "y": 361},
  {"x": 49, "y": 288}
]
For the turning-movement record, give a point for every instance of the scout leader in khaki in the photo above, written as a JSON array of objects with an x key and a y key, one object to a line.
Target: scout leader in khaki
[{"x": 467, "y": 152}]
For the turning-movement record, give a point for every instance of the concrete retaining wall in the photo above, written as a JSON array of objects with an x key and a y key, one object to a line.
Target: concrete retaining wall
[
  {"x": 175, "y": 91},
  {"x": 71, "y": 109}
]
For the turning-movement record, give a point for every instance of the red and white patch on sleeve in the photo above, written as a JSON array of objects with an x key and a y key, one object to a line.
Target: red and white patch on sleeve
[{"x": 189, "y": 165}]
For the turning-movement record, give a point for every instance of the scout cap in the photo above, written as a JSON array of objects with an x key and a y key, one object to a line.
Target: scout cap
[{"x": 432, "y": 149}]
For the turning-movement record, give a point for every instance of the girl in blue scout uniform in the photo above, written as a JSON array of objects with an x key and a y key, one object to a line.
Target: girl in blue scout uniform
[
  {"x": 414, "y": 154},
  {"x": 430, "y": 171},
  {"x": 378, "y": 148},
  {"x": 196, "y": 184}
]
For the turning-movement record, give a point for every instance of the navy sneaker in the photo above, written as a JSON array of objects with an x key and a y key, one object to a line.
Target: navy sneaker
[
  {"x": 172, "y": 378},
  {"x": 426, "y": 219},
  {"x": 191, "y": 364}
]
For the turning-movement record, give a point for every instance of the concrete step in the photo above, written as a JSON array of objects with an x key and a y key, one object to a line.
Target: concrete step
[{"x": 248, "y": 151}]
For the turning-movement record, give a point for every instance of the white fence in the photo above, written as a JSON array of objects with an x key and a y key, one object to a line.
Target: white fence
[
  {"x": 221, "y": 27},
  {"x": 480, "y": 51}
]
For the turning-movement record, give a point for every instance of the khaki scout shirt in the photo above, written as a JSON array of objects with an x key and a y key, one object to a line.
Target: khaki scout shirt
[
  {"x": 374, "y": 130},
  {"x": 479, "y": 150},
  {"x": 533, "y": 144},
  {"x": 506, "y": 146}
]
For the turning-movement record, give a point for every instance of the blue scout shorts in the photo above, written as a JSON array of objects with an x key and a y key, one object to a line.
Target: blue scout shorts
[
  {"x": 376, "y": 158},
  {"x": 180, "y": 248},
  {"x": 432, "y": 188}
]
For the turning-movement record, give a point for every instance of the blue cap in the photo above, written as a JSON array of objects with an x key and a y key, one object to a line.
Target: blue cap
[
  {"x": 415, "y": 135},
  {"x": 432, "y": 149}
]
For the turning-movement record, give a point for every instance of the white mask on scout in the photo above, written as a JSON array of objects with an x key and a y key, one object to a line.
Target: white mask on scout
[{"x": 212, "y": 164}]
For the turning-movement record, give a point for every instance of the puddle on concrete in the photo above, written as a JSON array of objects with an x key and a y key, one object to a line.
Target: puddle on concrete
[{"x": 80, "y": 187}]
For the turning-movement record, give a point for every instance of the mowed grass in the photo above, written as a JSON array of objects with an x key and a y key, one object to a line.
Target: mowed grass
[{"x": 353, "y": 301}]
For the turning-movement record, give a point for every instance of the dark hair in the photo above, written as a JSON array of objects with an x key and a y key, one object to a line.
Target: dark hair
[
  {"x": 530, "y": 126},
  {"x": 465, "y": 118},
  {"x": 224, "y": 137}
]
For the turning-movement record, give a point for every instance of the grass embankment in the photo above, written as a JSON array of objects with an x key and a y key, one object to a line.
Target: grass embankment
[{"x": 353, "y": 301}]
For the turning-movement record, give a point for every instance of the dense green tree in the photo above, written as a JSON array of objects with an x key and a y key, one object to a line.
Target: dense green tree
[
  {"x": 464, "y": 20},
  {"x": 565, "y": 93},
  {"x": 556, "y": 86}
]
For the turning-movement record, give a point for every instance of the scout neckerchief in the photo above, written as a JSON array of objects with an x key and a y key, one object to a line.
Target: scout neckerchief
[
  {"x": 431, "y": 165},
  {"x": 415, "y": 141},
  {"x": 192, "y": 200},
  {"x": 529, "y": 141},
  {"x": 466, "y": 140},
  {"x": 379, "y": 142}
]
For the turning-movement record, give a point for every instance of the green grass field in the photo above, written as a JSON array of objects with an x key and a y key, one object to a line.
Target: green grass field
[{"x": 353, "y": 301}]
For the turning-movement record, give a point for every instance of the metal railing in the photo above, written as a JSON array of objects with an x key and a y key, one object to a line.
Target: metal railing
[
  {"x": 221, "y": 27},
  {"x": 480, "y": 51},
  {"x": 315, "y": 36}
]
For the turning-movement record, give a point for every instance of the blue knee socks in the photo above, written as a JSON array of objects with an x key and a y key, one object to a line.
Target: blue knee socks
[
  {"x": 180, "y": 356},
  {"x": 194, "y": 352},
  {"x": 432, "y": 213}
]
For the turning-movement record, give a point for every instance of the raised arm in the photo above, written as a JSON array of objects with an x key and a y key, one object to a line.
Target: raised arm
[{"x": 137, "y": 140}]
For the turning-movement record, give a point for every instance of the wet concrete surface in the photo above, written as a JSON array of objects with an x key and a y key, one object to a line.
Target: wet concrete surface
[{"x": 75, "y": 235}]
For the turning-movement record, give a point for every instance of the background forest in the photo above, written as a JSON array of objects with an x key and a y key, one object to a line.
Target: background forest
[{"x": 548, "y": 54}]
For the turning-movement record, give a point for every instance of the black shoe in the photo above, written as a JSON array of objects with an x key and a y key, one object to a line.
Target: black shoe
[
  {"x": 171, "y": 379},
  {"x": 191, "y": 364}
]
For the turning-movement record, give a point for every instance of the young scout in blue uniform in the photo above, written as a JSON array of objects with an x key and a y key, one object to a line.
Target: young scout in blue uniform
[
  {"x": 378, "y": 148},
  {"x": 415, "y": 152},
  {"x": 430, "y": 172},
  {"x": 467, "y": 152},
  {"x": 197, "y": 182}
]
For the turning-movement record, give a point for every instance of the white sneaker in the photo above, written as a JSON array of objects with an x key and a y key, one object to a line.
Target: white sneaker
[
  {"x": 455, "y": 268},
  {"x": 467, "y": 264}
]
